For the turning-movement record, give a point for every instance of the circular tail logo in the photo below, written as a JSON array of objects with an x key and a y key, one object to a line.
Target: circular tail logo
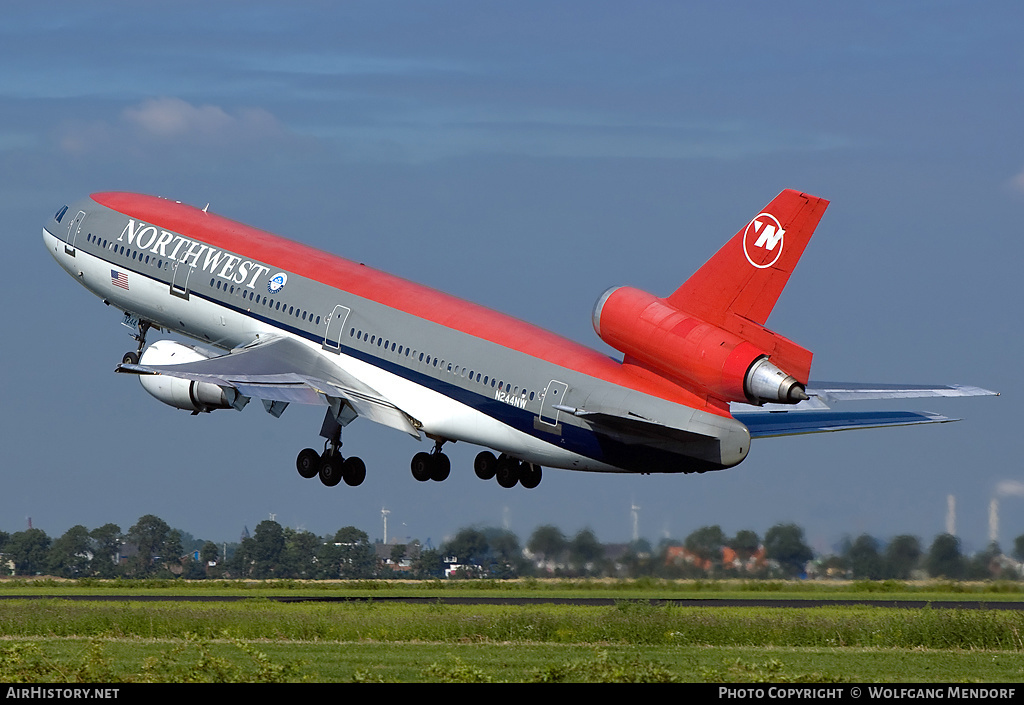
[
  {"x": 763, "y": 240},
  {"x": 277, "y": 282}
]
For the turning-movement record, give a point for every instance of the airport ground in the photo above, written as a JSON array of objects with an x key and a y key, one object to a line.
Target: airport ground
[{"x": 166, "y": 632}]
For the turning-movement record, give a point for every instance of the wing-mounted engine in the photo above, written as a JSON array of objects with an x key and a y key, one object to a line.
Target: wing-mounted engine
[
  {"x": 724, "y": 364},
  {"x": 180, "y": 393}
]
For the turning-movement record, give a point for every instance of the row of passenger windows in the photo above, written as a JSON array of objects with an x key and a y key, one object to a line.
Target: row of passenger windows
[
  {"x": 277, "y": 305},
  {"x": 121, "y": 250},
  {"x": 273, "y": 304},
  {"x": 434, "y": 361}
]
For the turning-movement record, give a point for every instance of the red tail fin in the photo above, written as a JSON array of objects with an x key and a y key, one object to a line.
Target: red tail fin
[{"x": 747, "y": 275}]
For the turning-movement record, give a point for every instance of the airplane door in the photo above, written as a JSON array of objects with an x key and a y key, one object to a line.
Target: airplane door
[
  {"x": 73, "y": 227},
  {"x": 554, "y": 393},
  {"x": 335, "y": 328},
  {"x": 179, "y": 280}
]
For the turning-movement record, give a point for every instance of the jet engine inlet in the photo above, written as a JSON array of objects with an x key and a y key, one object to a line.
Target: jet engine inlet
[
  {"x": 767, "y": 383},
  {"x": 180, "y": 393}
]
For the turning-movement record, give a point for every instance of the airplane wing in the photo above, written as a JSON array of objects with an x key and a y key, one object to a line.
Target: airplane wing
[
  {"x": 280, "y": 371},
  {"x": 814, "y": 415}
]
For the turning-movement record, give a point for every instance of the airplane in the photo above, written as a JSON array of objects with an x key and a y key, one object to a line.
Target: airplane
[{"x": 282, "y": 322}]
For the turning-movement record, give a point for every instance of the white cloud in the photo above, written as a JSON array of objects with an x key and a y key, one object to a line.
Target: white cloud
[
  {"x": 172, "y": 122},
  {"x": 1017, "y": 182},
  {"x": 176, "y": 119}
]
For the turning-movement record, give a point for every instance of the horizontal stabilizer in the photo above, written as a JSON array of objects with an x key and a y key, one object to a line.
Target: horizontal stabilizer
[
  {"x": 853, "y": 391},
  {"x": 795, "y": 423}
]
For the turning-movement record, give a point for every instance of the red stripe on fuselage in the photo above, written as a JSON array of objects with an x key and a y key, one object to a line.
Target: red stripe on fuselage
[{"x": 395, "y": 292}]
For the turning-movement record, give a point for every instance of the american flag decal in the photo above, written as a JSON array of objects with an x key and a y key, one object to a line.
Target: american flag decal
[{"x": 119, "y": 279}]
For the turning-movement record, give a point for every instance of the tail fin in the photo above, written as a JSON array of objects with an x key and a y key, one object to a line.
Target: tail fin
[{"x": 746, "y": 276}]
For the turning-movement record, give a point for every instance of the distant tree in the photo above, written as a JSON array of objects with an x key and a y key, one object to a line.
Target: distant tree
[
  {"x": 350, "y": 534},
  {"x": 69, "y": 556},
  {"x": 865, "y": 562},
  {"x": 209, "y": 553},
  {"x": 785, "y": 543},
  {"x": 268, "y": 550},
  {"x": 1018, "y": 548},
  {"x": 745, "y": 543},
  {"x": 982, "y": 565},
  {"x": 706, "y": 543},
  {"x": 944, "y": 558},
  {"x": 429, "y": 564},
  {"x": 300, "y": 557},
  {"x": 468, "y": 546},
  {"x": 902, "y": 556},
  {"x": 398, "y": 553},
  {"x": 505, "y": 555},
  {"x": 157, "y": 543},
  {"x": 351, "y": 555},
  {"x": 106, "y": 545},
  {"x": 29, "y": 551},
  {"x": 585, "y": 552},
  {"x": 548, "y": 542}
]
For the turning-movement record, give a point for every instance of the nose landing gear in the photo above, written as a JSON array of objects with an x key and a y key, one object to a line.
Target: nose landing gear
[{"x": 132, "y": 356}]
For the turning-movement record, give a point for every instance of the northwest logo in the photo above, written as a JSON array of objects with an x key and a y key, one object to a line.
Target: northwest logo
[
  {"x": 763, "y": 240},
  {"x": 277, "y": 282}
]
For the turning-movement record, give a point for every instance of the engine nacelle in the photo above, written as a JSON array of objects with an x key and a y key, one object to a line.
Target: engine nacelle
[
  {"x": 180, "y": 393},
  {"x": 703, "y": 356}
]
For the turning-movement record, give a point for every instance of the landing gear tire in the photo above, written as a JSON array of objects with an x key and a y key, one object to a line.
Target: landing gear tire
[
  {"x": 421, "y": 466},
  {"x": 530, "y": 475},
  {"x": 130, "y": 358},
  {"x": 308, "y": 463},
  {"x": 330, "y": 468},
  {"x": 485, "y": 465},
  {"x": 440, "y": 467},
  {"x": 507, "y": 472},
  {"x": 354, "y": 471}
]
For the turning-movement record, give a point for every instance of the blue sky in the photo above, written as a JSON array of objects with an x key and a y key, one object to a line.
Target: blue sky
[{"x": 527, "y": 156}]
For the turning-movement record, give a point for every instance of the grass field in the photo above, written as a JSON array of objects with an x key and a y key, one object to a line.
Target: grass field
[{"x": 259, "y": 640}]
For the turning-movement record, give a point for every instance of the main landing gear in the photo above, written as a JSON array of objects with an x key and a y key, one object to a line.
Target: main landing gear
[
  {"x": 434, "y": 465},
  {"x": 507, "y": 470},
  {"x": 330, "y": 465}
]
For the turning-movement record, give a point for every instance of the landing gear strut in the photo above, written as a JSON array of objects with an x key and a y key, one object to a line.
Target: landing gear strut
[{"x": 132, "y": 356}]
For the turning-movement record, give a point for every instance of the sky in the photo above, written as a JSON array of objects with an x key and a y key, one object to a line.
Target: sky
[{"x": 527, "y": 156}]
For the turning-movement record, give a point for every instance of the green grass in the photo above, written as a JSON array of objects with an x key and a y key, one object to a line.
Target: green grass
[
  {"x": 259, "y": 640},
  {"x": 643, "y": 588},
  {"x": 182, "y": 660}
]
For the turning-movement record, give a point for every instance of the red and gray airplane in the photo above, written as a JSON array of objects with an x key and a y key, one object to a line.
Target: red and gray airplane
[{"x": 285, "y": 323}]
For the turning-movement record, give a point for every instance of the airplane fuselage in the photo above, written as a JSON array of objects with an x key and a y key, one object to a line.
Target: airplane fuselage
[{"x": 460, "y": 371}]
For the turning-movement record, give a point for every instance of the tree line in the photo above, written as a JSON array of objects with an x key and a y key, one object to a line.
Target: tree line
[{"x": 151, "y": 548}]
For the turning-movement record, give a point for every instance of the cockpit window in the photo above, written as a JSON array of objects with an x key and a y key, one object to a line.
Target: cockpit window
[{"x": 60, "y": 214}]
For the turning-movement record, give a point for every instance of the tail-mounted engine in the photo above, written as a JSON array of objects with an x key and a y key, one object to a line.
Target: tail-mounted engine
[
  {"x": 704, "y": 357},
  {"x": 181, "y": 393}
]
